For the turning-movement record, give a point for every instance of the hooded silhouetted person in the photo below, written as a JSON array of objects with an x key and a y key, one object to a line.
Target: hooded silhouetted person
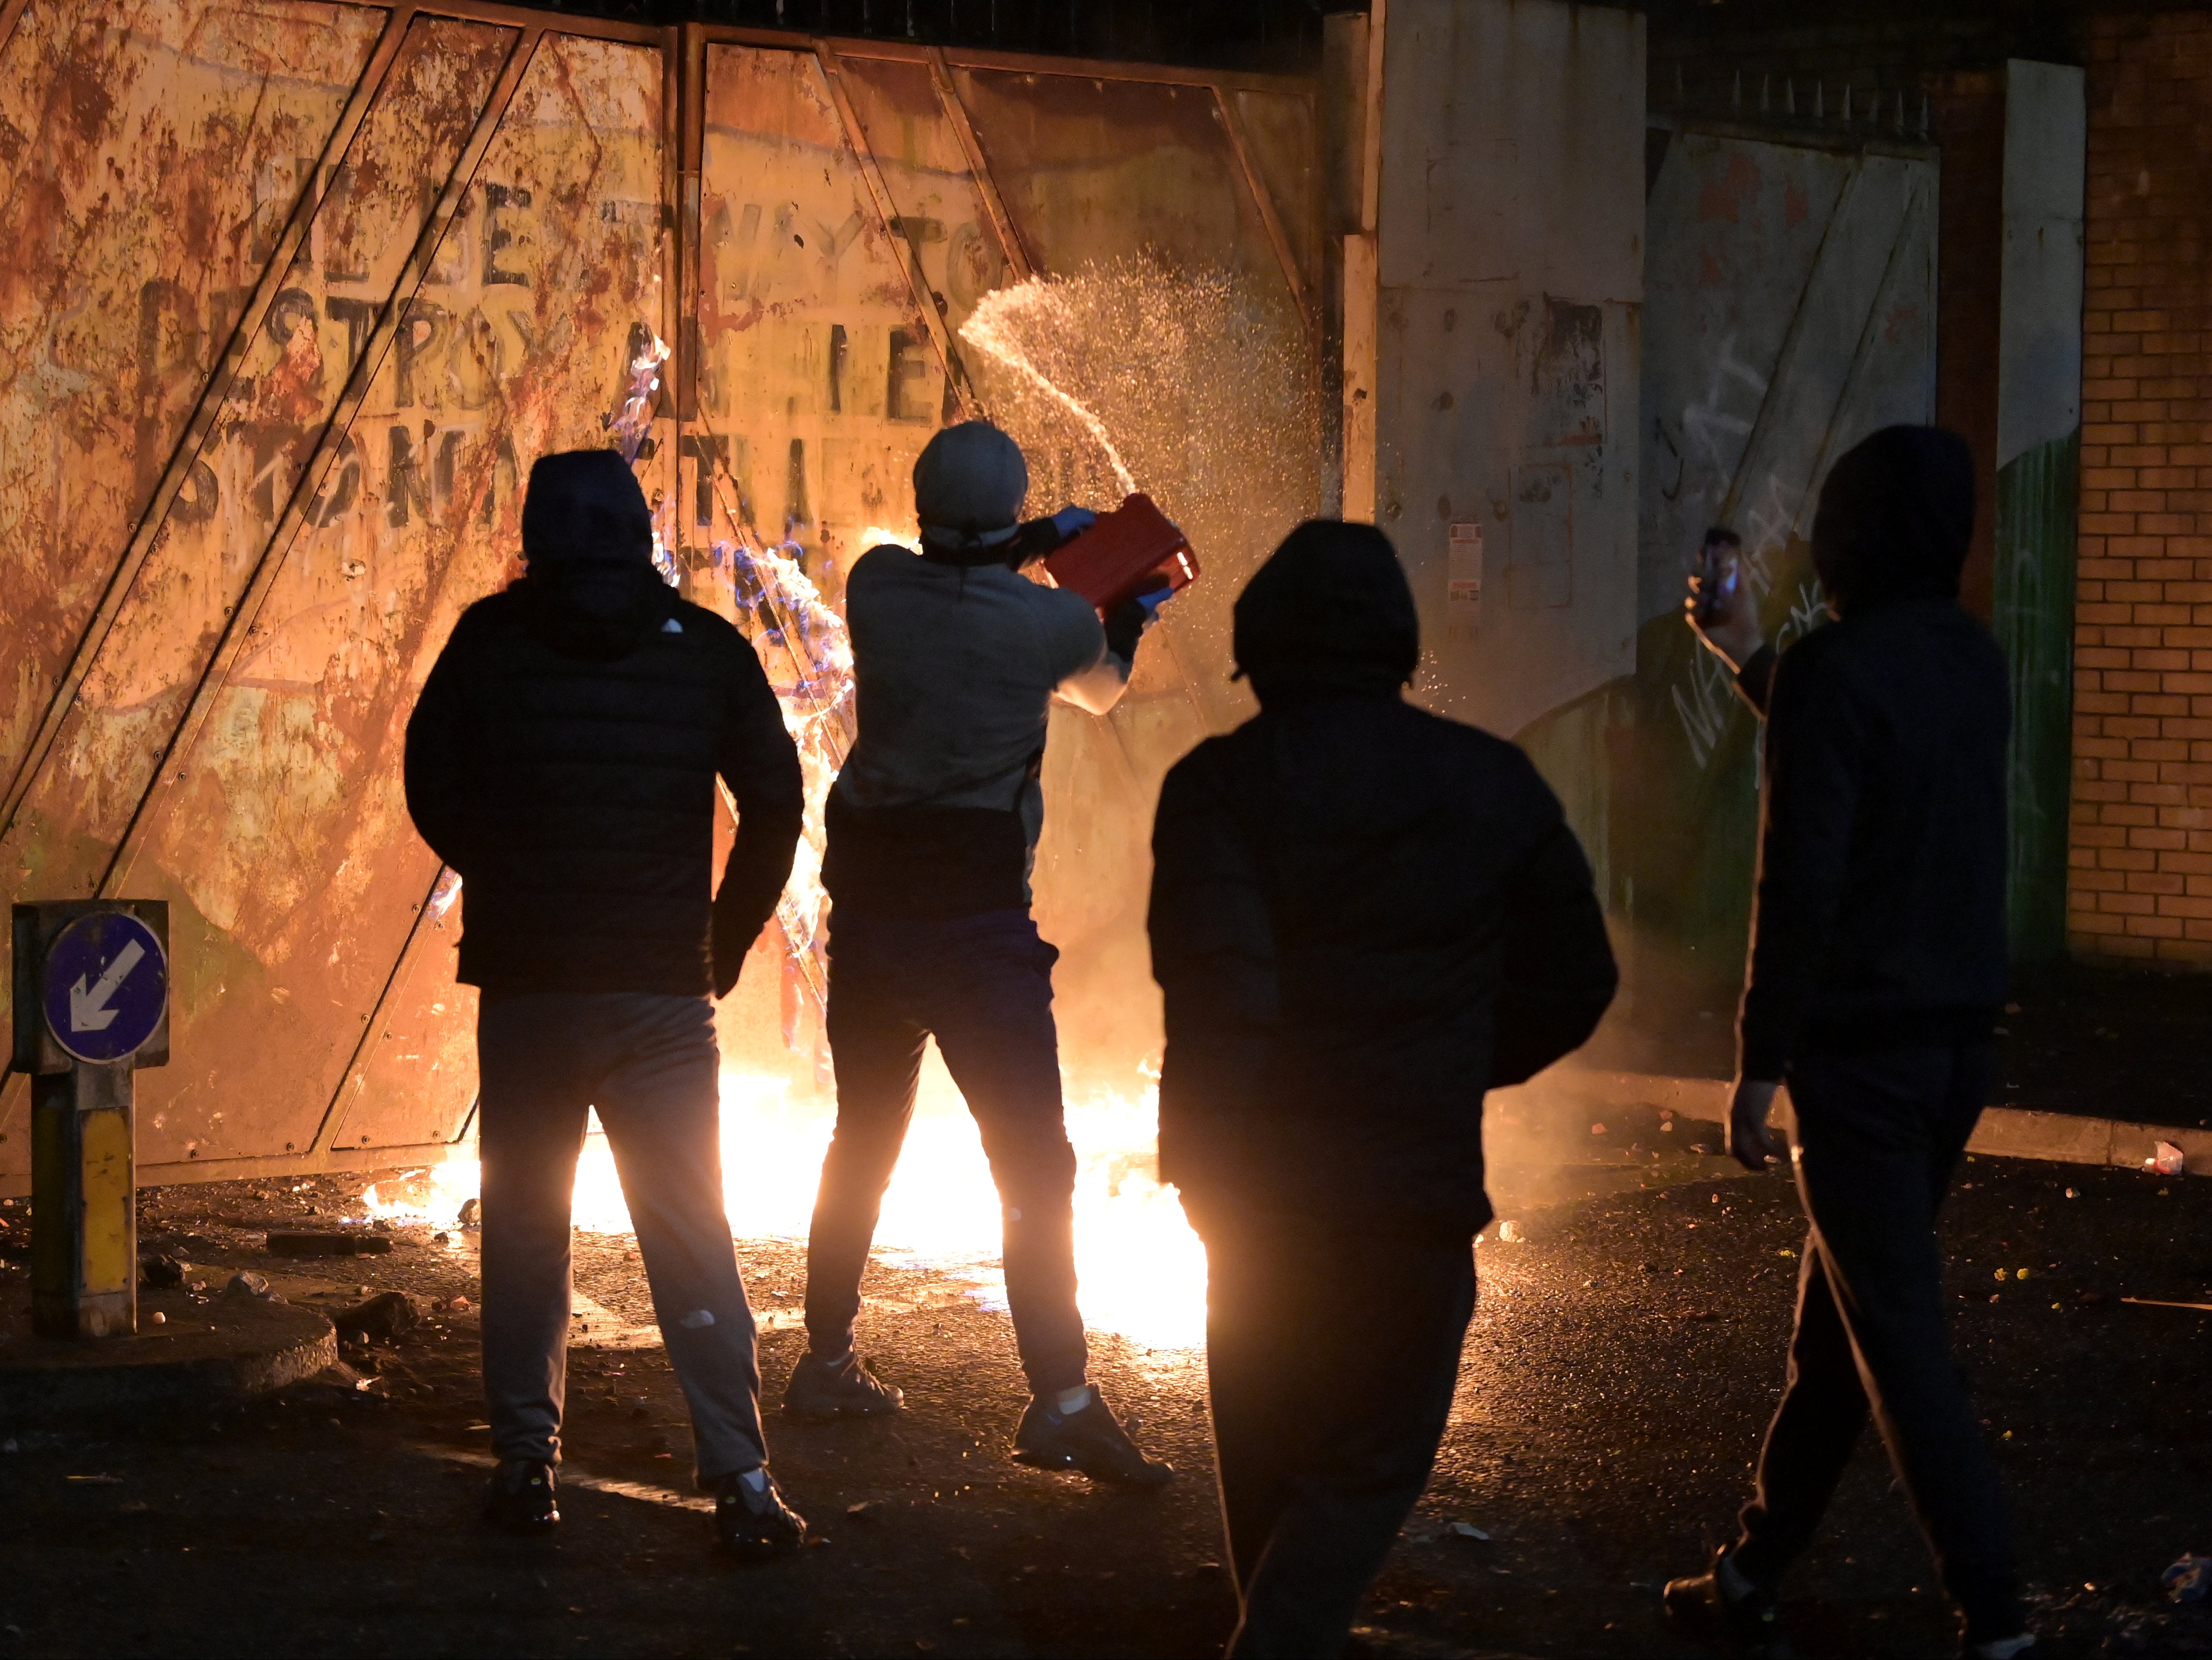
[
  {"x": 1364, "y": 917},
  {"x": 591, "y": 590},
  {"x": 562, "y": 759},
  {"x": 1882, "y": 870},
  {"x": 1877, "y": 971},
  {"x": 1894, "y": 518}
]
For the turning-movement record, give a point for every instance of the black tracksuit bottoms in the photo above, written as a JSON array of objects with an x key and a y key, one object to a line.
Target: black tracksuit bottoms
[
  {"x": 1879, "y": 1135},
  {"x": 982, "y": 985},
  {"x": 1331, "y": 1360}
]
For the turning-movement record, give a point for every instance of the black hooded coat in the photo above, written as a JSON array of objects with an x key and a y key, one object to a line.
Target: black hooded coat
[
  {"x": 563, "y": 753},
  {"x": 1364, "y": 917},
  {"x": 1880, "y": 916}
]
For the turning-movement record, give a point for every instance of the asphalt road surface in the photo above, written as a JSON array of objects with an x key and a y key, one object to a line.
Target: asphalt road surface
[{"x": 1622, "y": 1363}]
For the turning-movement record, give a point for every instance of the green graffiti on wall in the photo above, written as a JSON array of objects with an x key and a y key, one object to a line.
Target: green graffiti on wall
[
  {"x": 2033, "y": 616},
  {"x": 1659, "y": 774}
]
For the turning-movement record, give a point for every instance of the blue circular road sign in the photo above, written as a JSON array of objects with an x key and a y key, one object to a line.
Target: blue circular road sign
[{"x": 106, "y": 984}]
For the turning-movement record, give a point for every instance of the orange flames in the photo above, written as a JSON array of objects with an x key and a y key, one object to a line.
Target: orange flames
[{"x": 1142, "y": 1271}]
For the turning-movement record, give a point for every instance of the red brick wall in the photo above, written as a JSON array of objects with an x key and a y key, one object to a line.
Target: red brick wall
[{"x": 2142, "y": 824}]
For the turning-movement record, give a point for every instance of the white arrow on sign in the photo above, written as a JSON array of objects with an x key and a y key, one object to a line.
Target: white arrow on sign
[{"x": 88, "y": 1010}]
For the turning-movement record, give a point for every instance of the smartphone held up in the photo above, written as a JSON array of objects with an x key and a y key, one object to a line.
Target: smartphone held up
[{"x": 1715, "y": 578}]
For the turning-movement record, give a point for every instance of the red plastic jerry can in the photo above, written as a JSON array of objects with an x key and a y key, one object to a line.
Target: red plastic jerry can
[{"x": 1131, "y": 550}]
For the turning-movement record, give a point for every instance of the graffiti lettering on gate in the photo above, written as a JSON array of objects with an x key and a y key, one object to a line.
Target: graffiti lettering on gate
[
  {"x": 1709, "y": 423},
  {"x": 456, "y": 348},
  {"x": 1705, "y": 710},
  {"x": 1706, "y": 701}
]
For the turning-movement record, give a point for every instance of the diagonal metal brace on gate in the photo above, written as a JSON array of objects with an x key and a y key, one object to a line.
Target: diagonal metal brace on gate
[
  {"x": 354, "y": 1078},
  {"x": 1863, "y": 348},
  {"x": 887, "y": 220},
  {"x": 1232, "y": 124},
  {"x": 1785, "y": 359},
  {"x": 10, "y": 15},
  {"x": 243, "y": 622},
  {"x": 199, "y": 427},
  {"x": 1018, "y": 259}
]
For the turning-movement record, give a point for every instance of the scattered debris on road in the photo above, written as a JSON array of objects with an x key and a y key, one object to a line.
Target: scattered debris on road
[{"x": 347, "y": 1242}]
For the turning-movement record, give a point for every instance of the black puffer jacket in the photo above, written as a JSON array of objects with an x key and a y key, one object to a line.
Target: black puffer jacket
[
  {"x": 1880, "y": 920},
  {"x": 563, "y": 754},
  {"x": 1364, "y": 917}
]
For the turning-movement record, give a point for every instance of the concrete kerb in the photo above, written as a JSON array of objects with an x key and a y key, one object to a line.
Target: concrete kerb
[
  {"x": 219, "y": 1352},
  {"x": 2004, "y": 1133}
]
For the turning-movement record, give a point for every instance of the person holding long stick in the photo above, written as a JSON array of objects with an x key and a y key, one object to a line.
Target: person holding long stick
[{"x": 1878, "y": 967}]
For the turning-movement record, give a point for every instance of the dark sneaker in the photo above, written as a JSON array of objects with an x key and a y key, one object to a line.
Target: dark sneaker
[
  {"x": 1092, "y": 1440},
  {"x": 2015, "y": 1647},
  {"x": 521, "y": 1497},
  {"x": 851, "y": 1390},
  {"x": 757, "y": 1525},
  {"x": 1737, "y": 1617}
]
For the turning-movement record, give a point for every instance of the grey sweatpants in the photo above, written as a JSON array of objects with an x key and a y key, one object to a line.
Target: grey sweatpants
[{"x": 649, "y": 1064}]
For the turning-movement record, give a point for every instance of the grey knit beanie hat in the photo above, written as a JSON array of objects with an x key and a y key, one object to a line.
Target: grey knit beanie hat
[{"x": 970, "y": 479}]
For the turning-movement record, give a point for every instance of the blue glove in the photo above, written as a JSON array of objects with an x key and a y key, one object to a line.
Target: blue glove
[
  {"x": 1127, "y": 622},
  {"x": 1072, "y": 522}
]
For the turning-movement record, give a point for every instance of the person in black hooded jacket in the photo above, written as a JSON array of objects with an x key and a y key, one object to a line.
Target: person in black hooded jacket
[
  {"x": 563, "y": 760},
  {"x": 1364, "y": 917},
  {"x": 1877, "y": 969}
]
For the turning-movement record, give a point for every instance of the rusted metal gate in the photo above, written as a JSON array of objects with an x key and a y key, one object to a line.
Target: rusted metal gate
[
  {"x": 1790, "y": 308},
  {"x": 294, "y": 292}
]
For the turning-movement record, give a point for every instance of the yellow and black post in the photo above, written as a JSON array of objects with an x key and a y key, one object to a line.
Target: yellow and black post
[{"x": 91, "y": 1006}]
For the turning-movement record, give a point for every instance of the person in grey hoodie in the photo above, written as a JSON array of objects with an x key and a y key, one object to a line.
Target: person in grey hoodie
[{"x": 932, "y": 829}]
